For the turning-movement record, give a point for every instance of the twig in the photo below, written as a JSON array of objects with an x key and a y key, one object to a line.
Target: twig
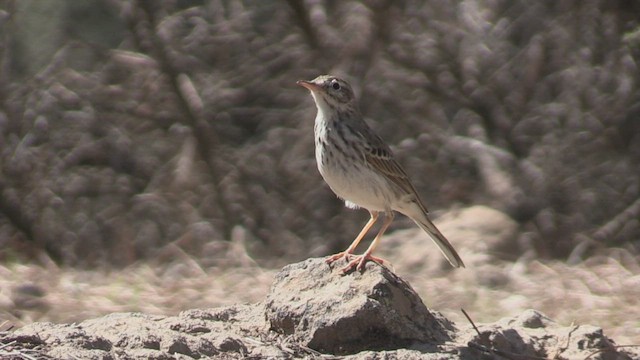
[
  {"x": 11, "y": 326},
  {"x": 562, "y": 349},
  {"x": 614, "y": 225},
  {"x": 7, "y": 344},
  {"x": 207, "y": 141},
  {"x": 486, "y": 349},
  {"x": 17, "y": 354},
  {"x": 16, "y": 215},
  {"x": 471, "y": 321},
  {"x": 304, "y": 21},
  {"x": 616, "y": 347}
]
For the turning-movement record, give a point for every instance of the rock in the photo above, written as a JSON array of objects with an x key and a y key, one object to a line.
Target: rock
[
  {"x": 194, "y": 334},
  {"x": 313, "y": 310},
  {"x": 531, "y": 335},
  {"x": 345, "y": 314}
]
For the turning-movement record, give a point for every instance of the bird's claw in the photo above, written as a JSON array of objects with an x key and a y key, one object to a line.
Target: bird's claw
[
  {"x": 358, "y": 263},
  {"x": 339, "y": 256}
]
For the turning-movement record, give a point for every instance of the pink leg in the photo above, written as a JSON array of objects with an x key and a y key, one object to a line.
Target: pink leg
[
  {"x": 359, "y": 261},
  {"x": 348, "y": 253}
]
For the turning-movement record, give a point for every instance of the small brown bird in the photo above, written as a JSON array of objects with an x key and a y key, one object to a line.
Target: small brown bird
[{"x": 360, "y": 169}]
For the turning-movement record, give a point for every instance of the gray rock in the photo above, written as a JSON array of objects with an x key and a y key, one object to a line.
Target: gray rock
[
  {"x": 532, "y": 335},
  {"x": 345, "y": 314}
]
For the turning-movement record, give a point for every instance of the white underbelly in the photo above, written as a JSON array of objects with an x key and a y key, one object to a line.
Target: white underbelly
[{"x": 359, "y": 189}]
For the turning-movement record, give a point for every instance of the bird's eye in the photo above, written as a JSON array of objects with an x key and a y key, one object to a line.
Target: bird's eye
[{"x": 335, "y": 86}]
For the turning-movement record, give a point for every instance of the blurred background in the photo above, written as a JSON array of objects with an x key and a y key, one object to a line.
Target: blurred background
[{"x": 148, "y": 132}]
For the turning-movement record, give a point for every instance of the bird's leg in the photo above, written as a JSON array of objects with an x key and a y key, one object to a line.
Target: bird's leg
[
  {"x": 348, "y": 253},
  {"x": 359, "y": 261}
]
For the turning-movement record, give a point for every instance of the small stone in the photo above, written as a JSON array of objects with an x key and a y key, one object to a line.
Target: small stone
[{"x": 533, "y": 319}]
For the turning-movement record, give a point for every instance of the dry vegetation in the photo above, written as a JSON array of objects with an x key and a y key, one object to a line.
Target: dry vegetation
[{"x": 174, "y": 129}]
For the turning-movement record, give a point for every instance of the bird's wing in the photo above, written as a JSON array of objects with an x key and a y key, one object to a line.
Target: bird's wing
[{"x": 379, "y": 156}]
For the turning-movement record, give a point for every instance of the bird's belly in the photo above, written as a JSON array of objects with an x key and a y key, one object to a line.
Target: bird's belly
[{"x": 362, "y": 188}]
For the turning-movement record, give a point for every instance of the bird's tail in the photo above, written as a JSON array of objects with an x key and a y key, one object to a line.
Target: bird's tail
[{"x": 443, "y": 244}]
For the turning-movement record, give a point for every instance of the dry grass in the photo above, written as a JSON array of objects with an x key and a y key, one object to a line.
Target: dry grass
[{"x": 73, "y": 295}]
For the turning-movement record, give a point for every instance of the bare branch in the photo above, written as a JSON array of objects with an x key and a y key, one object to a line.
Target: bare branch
[
  {"x": 303, "y": 20},
  {"x": 206, "y": 139}
]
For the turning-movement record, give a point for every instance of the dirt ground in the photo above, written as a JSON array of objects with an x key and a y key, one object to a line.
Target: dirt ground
[{"x": 602, "y": 291}]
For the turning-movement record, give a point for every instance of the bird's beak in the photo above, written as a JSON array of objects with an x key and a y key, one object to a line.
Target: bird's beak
[{"x": 308, "y": 84}]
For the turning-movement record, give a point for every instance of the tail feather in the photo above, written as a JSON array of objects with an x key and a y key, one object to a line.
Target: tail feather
[{"x": 443, "y": 244}]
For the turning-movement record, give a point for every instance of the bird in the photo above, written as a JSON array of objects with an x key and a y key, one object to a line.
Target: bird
[{"x": 360, "y": 169}]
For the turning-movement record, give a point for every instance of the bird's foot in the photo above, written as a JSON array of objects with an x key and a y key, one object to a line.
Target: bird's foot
[
  {"x": 359, "y": 261},
  {"x": 339, "y": 256}
]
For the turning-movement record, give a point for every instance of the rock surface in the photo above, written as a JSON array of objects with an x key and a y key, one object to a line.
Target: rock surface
[
  {"x": 336, "y": 314},
  {"x": 312, "y": 310}
]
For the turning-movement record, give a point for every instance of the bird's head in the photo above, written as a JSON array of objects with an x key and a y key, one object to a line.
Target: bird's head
[{"x": 330, "y": 90}]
